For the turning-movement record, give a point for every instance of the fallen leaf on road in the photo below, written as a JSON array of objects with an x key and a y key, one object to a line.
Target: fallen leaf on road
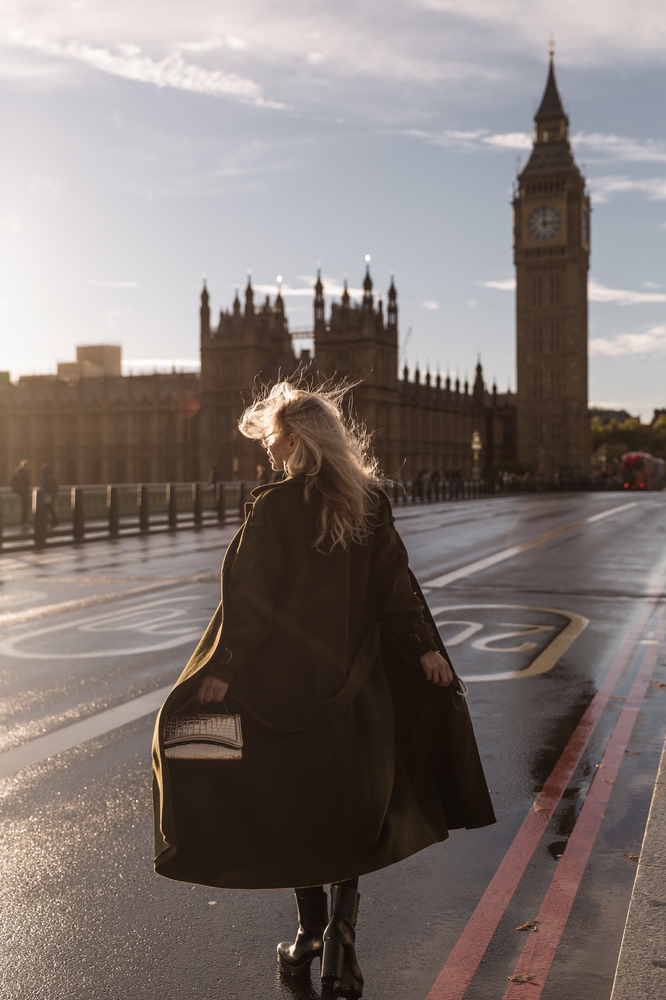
[
  {"x": 537, "y": 809},
  {"x": 529, "y": 925},
  {"x": 631, "y": 857},
  {"x": 659, "y": 963},
  {"x": 525, "y": 977},
  {"x": 634, "y": 753},
  {"x": 659, "y": 684}
]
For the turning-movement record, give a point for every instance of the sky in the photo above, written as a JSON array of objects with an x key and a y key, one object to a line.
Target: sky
[{"x": 145, "y": 144}]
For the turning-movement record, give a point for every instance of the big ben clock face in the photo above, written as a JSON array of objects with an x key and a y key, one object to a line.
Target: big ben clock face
[{"x": 544, "y": 223}]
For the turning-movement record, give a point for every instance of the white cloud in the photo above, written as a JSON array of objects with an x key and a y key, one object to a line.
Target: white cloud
[
  {"x": 509, "y": 140},
  {"x": 603, "y": 147},
  {"x": 127, "y": 61},
  {"x": 430, "y": 304},
  {"x": 506, "y": 285},
  {"x": 257, "y": 48},
  {"x": 620, "y": 147},
  {"x": 603, "y": 187},
  {"x": 236, "y": 43},
  {"x": 652, "y": 284},
  {"x": 596, "y": 292},
  {"x": 622, "y": 297},
  {"x": 586, "y": 32},
  {"x": 207, "y": 45},
  {"x": 470, "y": 140},
  {"x": 653, "y": 341}
]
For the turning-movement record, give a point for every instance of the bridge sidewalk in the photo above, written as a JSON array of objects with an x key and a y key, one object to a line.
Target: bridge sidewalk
[{"x": 641, "y": 967}]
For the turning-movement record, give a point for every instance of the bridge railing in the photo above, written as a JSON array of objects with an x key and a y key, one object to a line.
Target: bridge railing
[{"x": 85, "y": 513}]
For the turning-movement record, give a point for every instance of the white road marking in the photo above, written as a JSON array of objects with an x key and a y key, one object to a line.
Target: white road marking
[
  {"x": 514, "y": 550},
  {"x": 153, "y": 618},
  {"x": 546, "y": 659},
  {"x": 46, "y": 610},
  {"x": 12, "y": 761}
]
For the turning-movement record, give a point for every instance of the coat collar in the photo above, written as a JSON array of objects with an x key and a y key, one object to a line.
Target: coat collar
[{"x": 284, "y": 484}]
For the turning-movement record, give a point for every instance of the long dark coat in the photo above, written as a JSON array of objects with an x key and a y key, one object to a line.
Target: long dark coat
[{"x": 352, "y": 760}]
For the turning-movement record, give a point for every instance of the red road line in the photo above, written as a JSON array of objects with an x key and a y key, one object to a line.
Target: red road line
[
  {"x": 539, "y": 951},
  {"x": 461, "y": 965}
]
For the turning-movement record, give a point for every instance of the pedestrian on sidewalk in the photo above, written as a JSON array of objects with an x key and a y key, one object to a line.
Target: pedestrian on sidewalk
[
  {"x": 21, "y": 486},
  {"x": 213, "y": 478},
  {"x": 358, "y": 746},
  {"x": 50, "y": 487}
]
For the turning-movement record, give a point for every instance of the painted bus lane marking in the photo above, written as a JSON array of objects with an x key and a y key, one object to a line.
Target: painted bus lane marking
[
  {"x": 567, "y": 626},
  {"x": 539, "y": 951},
  {"x": 468, "y": 951}
]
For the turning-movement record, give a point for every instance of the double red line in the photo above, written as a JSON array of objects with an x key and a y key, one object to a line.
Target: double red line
[{"x": 458, "y": 972}]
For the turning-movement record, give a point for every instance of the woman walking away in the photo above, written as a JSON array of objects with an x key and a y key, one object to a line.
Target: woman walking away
[{"x": 358, "y": 747}]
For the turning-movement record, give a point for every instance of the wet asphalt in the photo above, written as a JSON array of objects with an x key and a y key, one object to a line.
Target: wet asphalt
[{"x": 82, "y": 913}]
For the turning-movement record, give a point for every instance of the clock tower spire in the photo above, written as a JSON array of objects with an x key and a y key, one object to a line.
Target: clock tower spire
[{"x": 551, "y": 254}]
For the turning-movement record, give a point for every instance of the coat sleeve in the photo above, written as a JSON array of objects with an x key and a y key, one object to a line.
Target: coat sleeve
[
  {"x": 400, "y": 609},
  {"x": 249, "y": 592}
]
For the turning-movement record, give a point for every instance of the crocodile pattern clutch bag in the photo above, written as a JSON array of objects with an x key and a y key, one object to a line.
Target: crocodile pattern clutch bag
[{"x": 214, "y": 737}]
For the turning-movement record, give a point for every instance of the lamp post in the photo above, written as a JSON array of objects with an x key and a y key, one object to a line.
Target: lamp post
[{"x": 476, "y": 455}]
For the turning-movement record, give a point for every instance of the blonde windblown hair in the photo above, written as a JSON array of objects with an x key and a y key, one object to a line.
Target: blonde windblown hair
[{"x": 334, "y": 453}]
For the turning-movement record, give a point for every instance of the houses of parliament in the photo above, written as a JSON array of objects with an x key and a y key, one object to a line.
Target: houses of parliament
[{"x": 94, "y": 425}]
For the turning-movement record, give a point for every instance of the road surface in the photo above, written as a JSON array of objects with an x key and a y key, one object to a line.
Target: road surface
[{"x": 538, "y": 597}]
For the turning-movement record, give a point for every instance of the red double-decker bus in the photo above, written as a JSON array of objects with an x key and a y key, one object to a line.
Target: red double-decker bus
[{"x": 641, "y": 471}]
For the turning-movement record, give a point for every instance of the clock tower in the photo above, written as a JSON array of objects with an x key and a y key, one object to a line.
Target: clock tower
[{"x": 551, "y": 254}]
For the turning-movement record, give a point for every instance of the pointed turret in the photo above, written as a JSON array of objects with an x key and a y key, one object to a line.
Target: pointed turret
[
  {"x": 392, "y": 305},
  {"x": 367, "y": 285},
  {"x": 551, "y": 121},
  {"x": 319, "y": 300},
  {"x": 204, "y": 312},
  {"x": 379, "y": 320},
  {"x": 479, "y": 387},
  {"x": 345, "y": 296},
  {"x": 249, "y": 296},
  {"x": 237, "y": 305}
]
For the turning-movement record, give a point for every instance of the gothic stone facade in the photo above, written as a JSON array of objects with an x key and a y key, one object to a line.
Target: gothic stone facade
[
  {"x": 552, "y": 251},
  {"x": 418, "y": 424},
  {"x": 131, "y": 429}
]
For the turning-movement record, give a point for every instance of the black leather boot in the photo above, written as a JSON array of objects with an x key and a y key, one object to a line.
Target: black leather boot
[
  {"x": 339, "y": 967},
  {"x": 297, "y": 958}
]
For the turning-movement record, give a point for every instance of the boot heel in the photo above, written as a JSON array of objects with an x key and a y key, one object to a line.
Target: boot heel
[
  {"x": 296, "y": 958},
  {"x": 290, "y": 967},
  {"x": 333, "y": 960}
]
